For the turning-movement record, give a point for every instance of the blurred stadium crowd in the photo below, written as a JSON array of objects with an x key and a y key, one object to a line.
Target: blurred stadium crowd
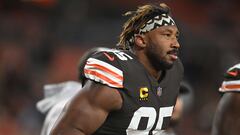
[{"x": 41, "y": 42}]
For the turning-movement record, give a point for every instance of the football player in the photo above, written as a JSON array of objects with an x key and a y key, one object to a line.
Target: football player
[
  {"x": 227, "y": 116},
  {"x": 132, "y": 90}
]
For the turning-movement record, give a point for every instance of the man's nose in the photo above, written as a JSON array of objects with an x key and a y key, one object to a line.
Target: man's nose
[{"x": 175, "y": 43}]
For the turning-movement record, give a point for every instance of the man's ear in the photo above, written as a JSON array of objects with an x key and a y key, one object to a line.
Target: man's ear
[{"x": 140, "y": 41}]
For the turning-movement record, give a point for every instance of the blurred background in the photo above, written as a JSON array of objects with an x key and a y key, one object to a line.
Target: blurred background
[{"x": 41, "y": 42}]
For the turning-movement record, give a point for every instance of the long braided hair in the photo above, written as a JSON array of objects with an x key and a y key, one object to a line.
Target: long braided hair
[{"x": 136, "y": 21}]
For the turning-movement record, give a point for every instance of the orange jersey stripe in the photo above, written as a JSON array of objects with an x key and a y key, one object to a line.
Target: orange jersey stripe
[
  {"x": 232, "y": 86},
  {"x": 105, "y": 69},
  {"x": 94, "y": 73}
]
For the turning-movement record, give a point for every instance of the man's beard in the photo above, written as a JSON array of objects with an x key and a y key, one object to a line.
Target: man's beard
[{"x": 156, "y": 61}]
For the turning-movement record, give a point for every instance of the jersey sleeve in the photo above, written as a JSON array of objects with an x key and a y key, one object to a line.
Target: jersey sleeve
[
  {"x": 231, "y": 81},
  {"x": 104, "y": 68}
]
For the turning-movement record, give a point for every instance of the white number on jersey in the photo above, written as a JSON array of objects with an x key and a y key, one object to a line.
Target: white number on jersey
[
  {"x": 122, "y": 55},
  {"x": 119, "y": 54},
  {"x": 151, "y": 114}
]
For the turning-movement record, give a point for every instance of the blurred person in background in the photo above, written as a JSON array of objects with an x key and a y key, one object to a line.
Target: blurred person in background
[
  {"x": 55, "y": 98},
  {"x": 182, "y": 108},
  {"x": 57, "y": 95},
  {"x": 131, "y": 90},
  {"x": 227, "y": 116}
]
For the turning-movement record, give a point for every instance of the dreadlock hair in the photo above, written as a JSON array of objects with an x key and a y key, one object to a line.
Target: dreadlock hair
[{"x": 137, "y": 20}]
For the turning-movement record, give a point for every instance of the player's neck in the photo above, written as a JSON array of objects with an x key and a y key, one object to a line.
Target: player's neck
[{"x": 148, "y": 66}]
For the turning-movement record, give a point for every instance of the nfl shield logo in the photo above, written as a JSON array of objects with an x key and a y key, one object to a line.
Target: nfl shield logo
[{"x": 159, "y": 91}]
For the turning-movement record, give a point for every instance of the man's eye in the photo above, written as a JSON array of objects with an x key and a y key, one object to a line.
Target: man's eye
[
  {"x": 167, "y": 35},
  {"x": 177, "y": 36}
]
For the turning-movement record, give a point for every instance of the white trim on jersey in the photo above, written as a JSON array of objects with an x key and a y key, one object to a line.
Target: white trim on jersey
[
  {"x": 103, "y": 72},
  {"x": 235, "y": 66},
  {"x": 228, "y": 86}
]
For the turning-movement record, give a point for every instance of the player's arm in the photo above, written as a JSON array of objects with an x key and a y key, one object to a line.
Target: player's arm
[
  {"x": 88, "y": 110},
  {"x": 227, "y": 120}
]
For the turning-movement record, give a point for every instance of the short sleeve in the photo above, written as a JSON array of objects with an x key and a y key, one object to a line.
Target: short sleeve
[
  {"x": 104, "y": 68},
  {"x": 231, "y": 81}
]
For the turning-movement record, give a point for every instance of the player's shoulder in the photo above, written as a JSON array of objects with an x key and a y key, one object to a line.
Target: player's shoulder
[
  {"x": 112, "y": 58},
  {"x": 106, "y": 67},
  {"x": 231, "y": 82},
  {"x": 112, "y": 55}
]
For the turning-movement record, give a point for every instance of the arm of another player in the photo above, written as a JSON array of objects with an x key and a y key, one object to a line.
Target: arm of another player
[
  {"x": 227, "y": 118},
  {"x": 88, "y": 110}
]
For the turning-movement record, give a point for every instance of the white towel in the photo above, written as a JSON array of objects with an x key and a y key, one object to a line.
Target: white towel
[{"x": 55, "y": 98}]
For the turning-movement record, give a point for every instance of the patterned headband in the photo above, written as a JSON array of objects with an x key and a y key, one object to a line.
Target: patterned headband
[{"x": 156, "y": 22}]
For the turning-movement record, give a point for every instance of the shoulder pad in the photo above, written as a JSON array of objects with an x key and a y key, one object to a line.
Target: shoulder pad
[
  {"x": 103, "y": 67},
  {"x": 231, "y": 81}
]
